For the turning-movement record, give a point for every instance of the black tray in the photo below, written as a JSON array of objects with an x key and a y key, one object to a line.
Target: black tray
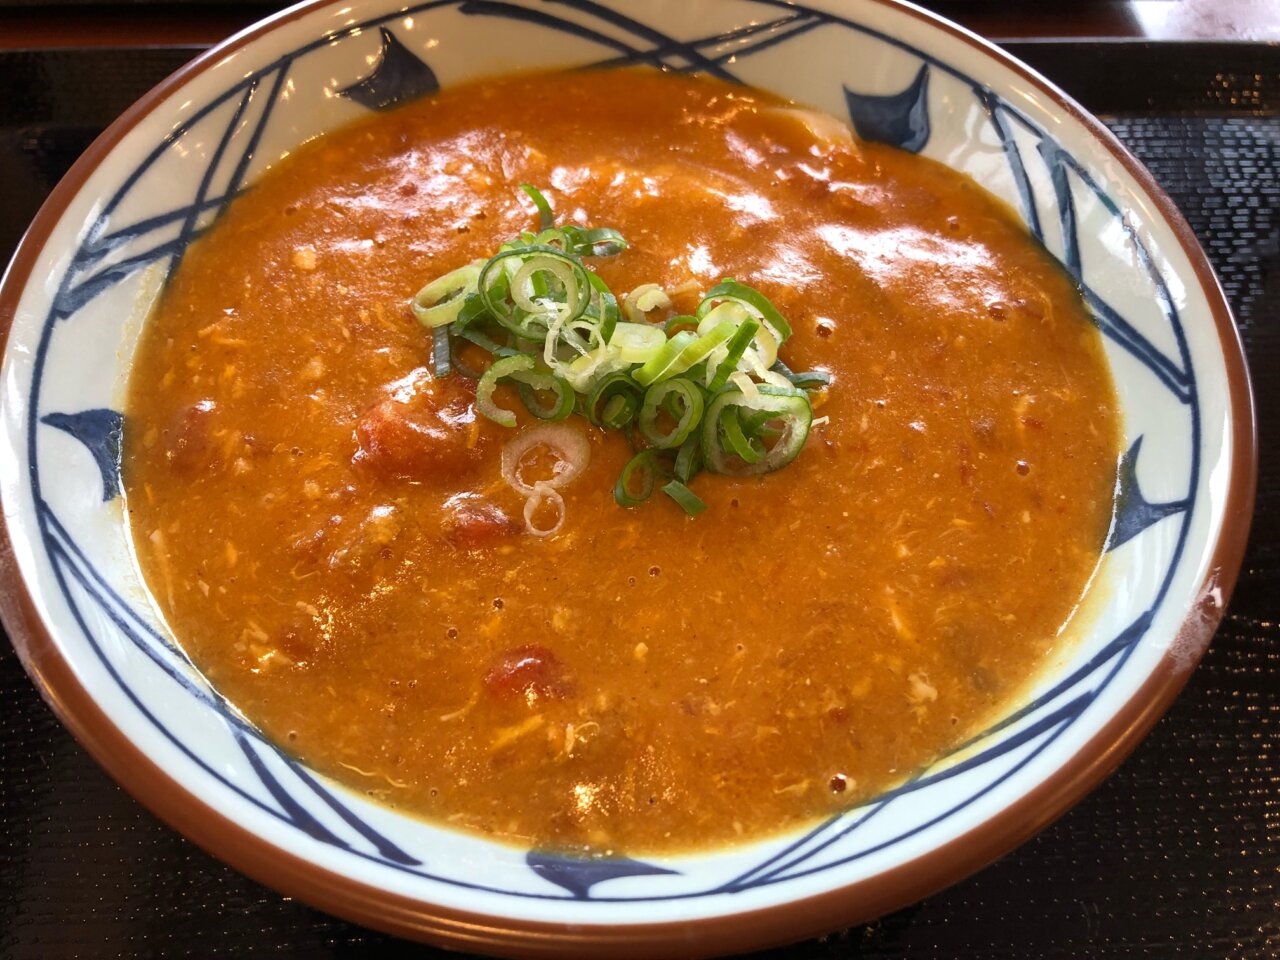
[{"x": 1177, "y": 855}]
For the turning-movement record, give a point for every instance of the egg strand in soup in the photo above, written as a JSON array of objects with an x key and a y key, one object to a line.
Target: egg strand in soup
[{"x": 456, "y": 548}]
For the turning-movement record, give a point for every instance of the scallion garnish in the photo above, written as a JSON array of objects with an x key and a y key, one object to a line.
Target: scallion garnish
[
  {"x": 614, "y": 401},
  {"x": 441, "y": 300},
  {"x": 694, "y": 392},
  {"x": 688, "y": 500},
  {"x": 689, "y": 458},
  {"x": 748, "y": 448},
  {"x": 546, "y": 218},
  {"x": 520, "y": 367},
  {"x": 731, "y": 291},
  {"x": 808, "y": 380},
  {"x": 635, "y": 483},
  {"x": 745, "y": 333},
  {"x": 679, "y": 398},
  {"x": 440, "y": 351},
  {"x": 786, "y": 418}
]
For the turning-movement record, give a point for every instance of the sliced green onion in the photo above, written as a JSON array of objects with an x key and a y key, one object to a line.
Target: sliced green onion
[
  {"x": 550, "y": 237},
  {"x": 484, "y": 342},
  {"x": 545, "y": 217},
  {"x": 584, "y": 372},
  {"x": 679, "y": 322},
  {"x": 760, "y": 352},
  {"x": 531, "y": 289},
  {"x": 440, "y": 352},
  {"x": 530, "y": 383},
  {"x": 614, "y": 401},
  {"x": 736, "y": 346},
  {"x": 499, "y": 369},
  {"x": 594, "y": 242},
  {"x": 749, "y": 449},
  {"x": 688, "y": 500},
  {"x": 641, "y": 469},
  {"x": 604, "y": 305},
  {"x": 637, "y": 342},
  {"x": 681, "y": 353},
  {"x": 807, "y": 380},
  {"x": 754, "y": 300},
  {"x": 664, "y": 360},
  {"x": 810, "y": 379},
  {"x": 520, "y": 368},
  {"x": 725, "y": 310},
  {"x": 580, "y": 241},
  {"x": 522, "y": 315},
  {"x": 618, "y": 412},
  {"x": 473, "y": 309},
  {"x": 689, "y": 459},
  {"x": 554, "y": 329},
  {"x": 646, "y": 297},
  {"x": 440, "y": 301},
  {"x": 788, "y": 407},
  {"x": 682, "y": 400}
]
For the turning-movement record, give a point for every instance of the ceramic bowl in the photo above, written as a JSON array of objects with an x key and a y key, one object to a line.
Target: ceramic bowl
[{"x": 75, "y": 606}]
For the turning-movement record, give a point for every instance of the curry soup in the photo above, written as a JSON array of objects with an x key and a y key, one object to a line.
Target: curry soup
[{"x": 326, "y": 526}]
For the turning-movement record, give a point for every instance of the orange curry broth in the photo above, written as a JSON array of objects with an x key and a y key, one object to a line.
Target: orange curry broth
[{"x": 641, "y": 681}]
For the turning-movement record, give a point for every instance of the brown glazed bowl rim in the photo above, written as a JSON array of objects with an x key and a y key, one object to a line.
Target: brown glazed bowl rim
[{"x": 778, "y": 923}]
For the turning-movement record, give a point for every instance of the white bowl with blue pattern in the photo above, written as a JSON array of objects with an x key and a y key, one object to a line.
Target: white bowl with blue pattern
[{"x": 77, "y": 610}]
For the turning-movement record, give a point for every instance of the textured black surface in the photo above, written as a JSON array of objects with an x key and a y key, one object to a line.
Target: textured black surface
[
  {"x": 1149, "y": 77},
  {"x": 1177, "y": 855}
]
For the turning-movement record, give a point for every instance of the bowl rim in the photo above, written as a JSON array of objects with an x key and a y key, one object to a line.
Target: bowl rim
[{"x": 786, "y": 921}]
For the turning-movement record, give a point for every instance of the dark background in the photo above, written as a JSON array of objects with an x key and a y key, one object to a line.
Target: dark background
[{"x": 1177, "y": 855}]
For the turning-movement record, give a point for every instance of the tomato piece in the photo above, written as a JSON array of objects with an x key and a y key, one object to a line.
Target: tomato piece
[
  {"x": 189, "y": 440},
  {"x": 429, "y": 434},
  {"x": 531, "y": 673},
  {"x": 473, "y": 523}
]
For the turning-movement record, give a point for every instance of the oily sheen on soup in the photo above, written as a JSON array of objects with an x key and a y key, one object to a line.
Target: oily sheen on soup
[{"x": 325, "y": 525}]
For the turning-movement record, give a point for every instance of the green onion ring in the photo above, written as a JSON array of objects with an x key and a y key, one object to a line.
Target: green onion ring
[
  {"x": 604, "y": 304},
  {"x": 440, "y": 352},
  {"x": 533, "y": 326},
  {"x": 752, "y": 299},
  {"x": 689, "y": 459},
  {"x": 637, "y": 342},
  {"x": 551, "y": 237},
  {"x": 500, "y": 368},
  {"x": 689, "y": 501},
  {"x": 644, "y": 463},
  {"x": 440, "y": 301},
  {"x": 749, "y": 449},
  {"x": 594, "y": 242},
  {"x": 679, "y": 321},
  {"x": 520, "y": 368},
  {"x": 530, "y": 382},
  {"x": 619, "y": 411},
  {"x": 545, "y": 216},
  {"x": 681, "y": 353},
  {"x": 790, "y": 407},
  {"x": 677, "y": 392},
  {"x": 665, "y": 358},
  {"x": 533, "y": 273},
  {"x": 615, "y": 388},
  {"x": 806, "y": 380},
  {"x": 736, "y": 347}
]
